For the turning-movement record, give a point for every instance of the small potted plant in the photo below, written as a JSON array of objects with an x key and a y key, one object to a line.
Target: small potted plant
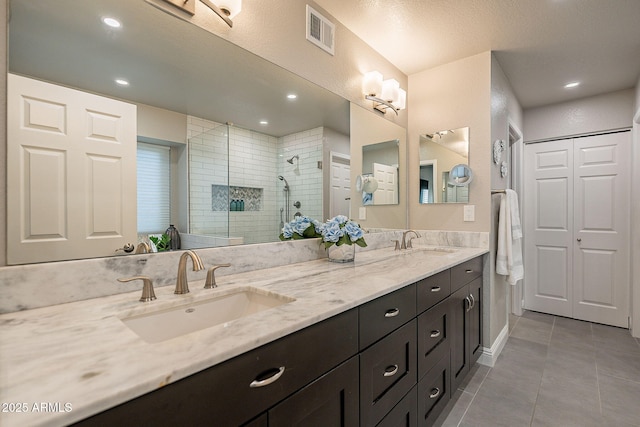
[{"x": 340, "y": 235}]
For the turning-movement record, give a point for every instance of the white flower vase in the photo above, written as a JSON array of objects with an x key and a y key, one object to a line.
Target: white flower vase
[{"x": 342, "y": 253}]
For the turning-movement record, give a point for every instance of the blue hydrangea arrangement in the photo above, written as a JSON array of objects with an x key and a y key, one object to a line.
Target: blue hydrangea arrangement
[
  {"x": 340, "y": 230},
  {"x": 302, "y": 227}
]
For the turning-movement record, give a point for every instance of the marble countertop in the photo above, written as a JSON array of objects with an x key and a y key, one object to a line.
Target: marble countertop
[{"x": 63, "y": 363}]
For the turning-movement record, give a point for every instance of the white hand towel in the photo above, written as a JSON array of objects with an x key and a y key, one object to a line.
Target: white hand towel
[{"x": 509, "y": 256}]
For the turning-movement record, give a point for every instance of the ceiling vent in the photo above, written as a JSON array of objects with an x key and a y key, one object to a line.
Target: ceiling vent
[{"x": 320, "y": 31}]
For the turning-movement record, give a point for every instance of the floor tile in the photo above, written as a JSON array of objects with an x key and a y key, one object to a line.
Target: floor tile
[
  {"x": 620, "y": 400},
  {"x": 455, "y": 410},
  {"x": 474, "y": 379},
  {"x": 532, "y": 330},
  {"x": 618, "y": 364},
  {"x": 500, "y": 404},
  {"x": 609, "y": 337}
]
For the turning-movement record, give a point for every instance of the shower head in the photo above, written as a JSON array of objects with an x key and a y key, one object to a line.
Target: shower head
[
  {"x": 286, "y": 184},
  {"x": 290, "y": 161}
]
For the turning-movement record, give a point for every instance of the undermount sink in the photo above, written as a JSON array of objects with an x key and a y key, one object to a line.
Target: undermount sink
[
  {"x": 431, "y": 250},
  {"x": 170, "y": 323}
]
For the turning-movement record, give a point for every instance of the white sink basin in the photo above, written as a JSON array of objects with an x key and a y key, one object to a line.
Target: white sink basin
[
  {"x": 431, "y": 250},
  {"x": 177, "y": 321}
]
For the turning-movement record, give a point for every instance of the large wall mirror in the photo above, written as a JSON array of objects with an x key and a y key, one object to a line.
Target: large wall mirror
[
  {"x": 270, "y": 160},
  {"x": 443, "y": 154},
  {"x": 380, "y": 172}
]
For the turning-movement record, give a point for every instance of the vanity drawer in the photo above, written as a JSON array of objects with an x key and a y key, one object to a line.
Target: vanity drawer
[
  {"x": 433, "y": 392},
  {"x": 431, "y": 290},
  {"x": 434, "y": 328},
  {"x": 385, "y": 314},
  {"x": 405, "y": 413},
  {"x": 231, "y": 392},
  {"x": 462, "y": 274},
  {"x": 387, "y": 373}
]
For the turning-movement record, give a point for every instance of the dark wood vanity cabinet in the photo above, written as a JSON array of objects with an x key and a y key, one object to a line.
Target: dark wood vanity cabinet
[
  {"x": 466, "y": 317},
  {"x": 393, "y": 361}
]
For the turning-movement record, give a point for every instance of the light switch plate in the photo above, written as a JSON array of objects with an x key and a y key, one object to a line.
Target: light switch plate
[
  {"x": 469, "y": 213},
  {"x": 362, "y": 213}
]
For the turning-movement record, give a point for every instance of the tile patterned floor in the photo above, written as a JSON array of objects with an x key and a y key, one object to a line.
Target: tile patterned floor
[{"x": 554, "y": 372}]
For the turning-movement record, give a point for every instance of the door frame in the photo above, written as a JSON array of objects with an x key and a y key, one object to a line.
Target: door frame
[{"x": 516, "y": 183}]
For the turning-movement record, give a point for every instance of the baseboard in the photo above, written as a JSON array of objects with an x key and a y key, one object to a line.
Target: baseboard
[{"x": 490, "y": 355}]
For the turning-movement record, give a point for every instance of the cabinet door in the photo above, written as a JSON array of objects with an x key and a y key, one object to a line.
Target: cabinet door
[
  {"x": 387, "y": 373},
  {"x": 475, "y": 321},
  {"x": 331, "y": 400},
  {"x": 460, "y": 304}
]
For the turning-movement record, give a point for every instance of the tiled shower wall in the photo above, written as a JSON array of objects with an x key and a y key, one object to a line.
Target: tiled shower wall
[
  {"x": 304, "y": 176},
  {"x": 256, "y": 161}
]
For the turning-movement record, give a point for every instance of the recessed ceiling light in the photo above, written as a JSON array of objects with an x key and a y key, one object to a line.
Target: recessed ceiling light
[
  {"x": 264, "y": 122},
  {"x": 292, "y": 96},
  {"x": 122, "y": 82},
  {"x": 112, "y": 22},
  {"x": 572, "y": 84}
]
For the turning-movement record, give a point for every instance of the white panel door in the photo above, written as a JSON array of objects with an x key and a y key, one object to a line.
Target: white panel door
[
  {"x": 548, "y": 227},
  {"x": 387, "y": 177},
  {"x": 71, "y": 173},
  {"x": 340, "y": 203},
  {"x": 577, "y": 228},
  {"x": 601, "y": 238}
]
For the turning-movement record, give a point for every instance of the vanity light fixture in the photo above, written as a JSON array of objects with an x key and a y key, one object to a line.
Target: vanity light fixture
[
  {"x": 385, "y": 94},
  {"x": 225, "y": 9}
]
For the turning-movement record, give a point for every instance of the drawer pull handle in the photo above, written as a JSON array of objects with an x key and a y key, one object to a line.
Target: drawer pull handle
[
  {"x": 468, "y": 271},
  {"x": 435, "y": 334},
  {"x": 435, "y": 392},
  {"x": 473, "y": 301},
  {"x": 435, "y": 289},
  {"x": 391, "y": 370},
  {"x": 392, "y": 312},
  {"x": 273, "y": 378}
]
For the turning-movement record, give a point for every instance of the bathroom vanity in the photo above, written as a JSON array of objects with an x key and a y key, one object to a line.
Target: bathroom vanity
[{"x": 383, "y": 341}]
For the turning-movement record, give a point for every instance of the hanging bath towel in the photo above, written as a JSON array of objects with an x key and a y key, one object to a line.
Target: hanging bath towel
[{"x": 509, "y": 257}]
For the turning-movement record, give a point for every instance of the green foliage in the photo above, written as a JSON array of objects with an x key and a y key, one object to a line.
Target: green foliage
[{"x": 162, "y": 243}]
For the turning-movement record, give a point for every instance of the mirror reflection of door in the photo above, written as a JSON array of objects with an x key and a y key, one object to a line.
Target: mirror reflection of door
[
  {"x": 428, "y": 186},
  {"x": 380, "y": 161},
  {"x": 446, "y": 149},
  {"x": 340, "y": 200}
]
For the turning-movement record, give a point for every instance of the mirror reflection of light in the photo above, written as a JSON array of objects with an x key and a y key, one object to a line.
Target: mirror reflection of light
[
  {"x": 112, "y": 22},
  {"x": 292, "y": 96},
  {"x": 122, "y": 82}
]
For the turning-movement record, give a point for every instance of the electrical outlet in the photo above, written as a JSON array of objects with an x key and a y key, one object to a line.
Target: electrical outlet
[
  {"x": 469, "y": 213},
  {"x": 362, "y": 213}
]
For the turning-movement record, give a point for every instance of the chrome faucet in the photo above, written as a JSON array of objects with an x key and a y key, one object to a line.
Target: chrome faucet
[
  {"x": 407, "y": 244},
  {"x": 182, "y": 287}
]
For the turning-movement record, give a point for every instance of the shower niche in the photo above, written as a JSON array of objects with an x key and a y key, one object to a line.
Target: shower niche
[{"x": 222, "y": 197}]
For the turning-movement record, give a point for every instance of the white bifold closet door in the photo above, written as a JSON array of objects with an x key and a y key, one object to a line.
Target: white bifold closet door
[{"x": 577, "y": 225}]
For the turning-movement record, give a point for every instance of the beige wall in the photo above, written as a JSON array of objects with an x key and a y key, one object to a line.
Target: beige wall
[
  {"x": 596, "y": 113},
  {"x": 368, "y": 127},
  {"x": 505, "y": 111},
  {"x": 452, "y": 96}
]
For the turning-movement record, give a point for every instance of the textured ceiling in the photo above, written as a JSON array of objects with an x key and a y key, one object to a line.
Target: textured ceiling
[{"x": 540, "y": 44}]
